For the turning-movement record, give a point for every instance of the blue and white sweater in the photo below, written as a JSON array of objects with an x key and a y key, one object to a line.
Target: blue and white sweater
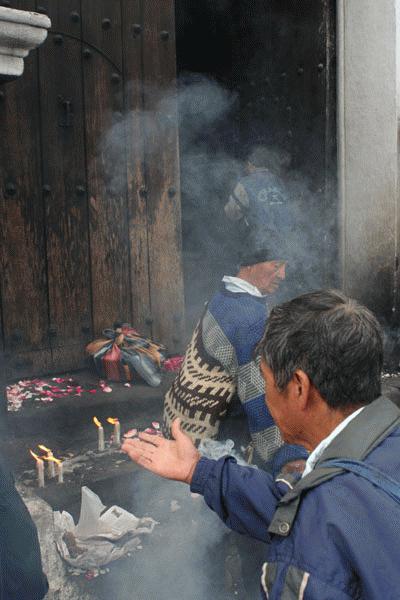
[{"x": 219, "y": 363}]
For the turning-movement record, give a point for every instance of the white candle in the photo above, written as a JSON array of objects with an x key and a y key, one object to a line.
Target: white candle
[
  {"x": 60, "y": 471},
  {"x": 51, "y": 467},
  {"x": 40, "y": 472},
  {"x": 117, "y": 433},
  {"x": 101, "y": 438}
]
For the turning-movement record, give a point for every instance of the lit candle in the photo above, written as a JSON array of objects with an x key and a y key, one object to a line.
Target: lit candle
[
  {"x": 117, "y": 431},
  {"x": 100, "y": 434},
  {"x": 51, "y": 469},
  {"x": 40, "y": 469},
  {"x": 60, "y": 471}
]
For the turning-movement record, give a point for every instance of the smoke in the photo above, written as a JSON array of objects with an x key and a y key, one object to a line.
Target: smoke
[
  {"x": 187, "y": 556},
  {"x": 212, "y": 160}
]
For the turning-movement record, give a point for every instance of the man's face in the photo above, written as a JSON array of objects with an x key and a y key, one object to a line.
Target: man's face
[
  {"x": 269, "y": 275},
  {"x": 281, "y": 406}
]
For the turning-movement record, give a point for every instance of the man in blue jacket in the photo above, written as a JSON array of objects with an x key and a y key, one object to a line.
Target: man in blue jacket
[{"x": 333, "y": 533}]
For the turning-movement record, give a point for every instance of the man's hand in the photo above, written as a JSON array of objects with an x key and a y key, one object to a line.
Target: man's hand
[
  {"x": 173, "y": 459},
  {"x": 294, "y": 466}
]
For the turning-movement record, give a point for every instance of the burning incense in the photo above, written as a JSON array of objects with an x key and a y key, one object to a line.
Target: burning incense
[
  {"x": 40, "y": 469},
  {"x": 100, "y": 433},
  {"x": 117, "y": 430},
  {"x": 51, "y": 470}
]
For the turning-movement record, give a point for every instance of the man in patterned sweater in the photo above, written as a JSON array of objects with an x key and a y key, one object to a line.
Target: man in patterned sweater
[{"x": 219, "y": 360}]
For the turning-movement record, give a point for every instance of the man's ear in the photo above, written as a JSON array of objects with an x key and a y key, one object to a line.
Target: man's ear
[{"x": 301, "y": 387}]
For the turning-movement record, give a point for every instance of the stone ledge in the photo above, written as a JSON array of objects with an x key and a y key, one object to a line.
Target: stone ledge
[{"x": 20, "y": 32}]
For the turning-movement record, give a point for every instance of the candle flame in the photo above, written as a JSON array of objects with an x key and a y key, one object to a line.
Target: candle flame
[
  {"x": 35, "y": 456},
  {"x": 112, "y": 421},
  {"x": 96, "y": 422},
  {"x": 52, "y": 459},
  {"x": 45, "y": 449}
]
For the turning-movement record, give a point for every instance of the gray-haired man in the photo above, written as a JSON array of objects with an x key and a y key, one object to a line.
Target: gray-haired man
[{"x": 333, "y": 532}]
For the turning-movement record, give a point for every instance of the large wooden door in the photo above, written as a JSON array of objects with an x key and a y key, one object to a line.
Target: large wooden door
[
  {"x": 285, "y": 72},
  {"x": 90, "y": 203}
]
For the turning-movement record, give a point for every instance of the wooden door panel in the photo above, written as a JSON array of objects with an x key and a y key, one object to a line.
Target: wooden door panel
[
  {"x": 132, "y": 29},
  {"x": 89, "y": 234},
  {"x": 162, "y": 172},
  {"x": 106, "y": 169},
  {"x": 101, "y": 28},
  {"x": 23, "y": 264},
  {"x": 64, "y": 179},
  {"x": 65, "y": 16}
]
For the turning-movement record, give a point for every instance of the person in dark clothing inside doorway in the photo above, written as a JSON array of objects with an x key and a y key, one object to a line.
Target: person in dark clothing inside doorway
[
  {"x": 332, "y": 532},
  {"x": 21, "y": 574},
  {"x": 261, "y": 203}
]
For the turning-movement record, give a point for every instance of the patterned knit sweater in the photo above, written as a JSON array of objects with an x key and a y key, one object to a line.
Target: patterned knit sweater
[{"x": 219, "y": 363}]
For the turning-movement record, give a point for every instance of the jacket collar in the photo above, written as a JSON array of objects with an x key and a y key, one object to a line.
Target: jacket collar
[{"x": 356, "y": 441}]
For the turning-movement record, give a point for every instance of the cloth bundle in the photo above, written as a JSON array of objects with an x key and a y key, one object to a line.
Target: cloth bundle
[{"x": 122, "y": 352}]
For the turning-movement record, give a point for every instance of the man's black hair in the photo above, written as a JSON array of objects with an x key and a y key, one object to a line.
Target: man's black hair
[{"x": 335, "y": 340}]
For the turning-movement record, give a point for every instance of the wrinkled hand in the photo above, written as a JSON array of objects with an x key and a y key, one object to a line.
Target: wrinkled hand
[
  {"x": 173, "y": 459},
  {"x": 294, "y": 466}
]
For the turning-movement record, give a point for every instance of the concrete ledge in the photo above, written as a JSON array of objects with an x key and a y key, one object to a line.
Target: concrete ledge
[{"x": 20, "y": 32}]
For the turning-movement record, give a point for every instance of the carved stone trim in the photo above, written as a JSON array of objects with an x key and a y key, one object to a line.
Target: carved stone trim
[{"x": 20, "y": 32}]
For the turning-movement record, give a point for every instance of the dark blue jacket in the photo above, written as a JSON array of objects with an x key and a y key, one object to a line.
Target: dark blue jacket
[
  {"x": 334, "y": 536},
  {"x": 21, "y": 574}
]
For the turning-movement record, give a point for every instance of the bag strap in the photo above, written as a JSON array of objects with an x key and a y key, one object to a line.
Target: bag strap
[{"x": 381, "y": 480}]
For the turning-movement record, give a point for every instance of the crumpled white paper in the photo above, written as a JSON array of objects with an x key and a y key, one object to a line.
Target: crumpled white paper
[{"x": 99, "y": 537}]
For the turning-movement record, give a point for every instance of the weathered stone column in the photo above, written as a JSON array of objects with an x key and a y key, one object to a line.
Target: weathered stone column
[
  {"x": 368, "y": 112},
  {"x": 20, "y": 32}
]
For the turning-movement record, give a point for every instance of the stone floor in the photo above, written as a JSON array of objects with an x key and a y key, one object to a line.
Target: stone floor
[
  {"x": 66, "y": 424},
  {"x": 190, "y": 554}
]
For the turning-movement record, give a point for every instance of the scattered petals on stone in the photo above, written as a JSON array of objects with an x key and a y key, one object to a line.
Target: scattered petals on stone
[
  {"x": 89, "y": 575},
  {"x": 92, "y": 391},
  {"x": 131, "y": 433},
  {"x": 39, "y": 390},
  {"x": 107, "y": 389},
  {"x": 155, "y": 425},
  {"x": 127, "y": 385}
]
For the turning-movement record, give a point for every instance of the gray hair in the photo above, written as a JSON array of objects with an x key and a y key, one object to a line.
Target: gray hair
[{"x": 335, "y": 340}]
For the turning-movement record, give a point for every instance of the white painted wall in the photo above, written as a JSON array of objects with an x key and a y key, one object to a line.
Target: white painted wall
[{"x": 368, "y": 111}]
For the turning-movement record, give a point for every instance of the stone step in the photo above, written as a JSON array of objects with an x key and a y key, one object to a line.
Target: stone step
[{"x": 66, "y": 425}]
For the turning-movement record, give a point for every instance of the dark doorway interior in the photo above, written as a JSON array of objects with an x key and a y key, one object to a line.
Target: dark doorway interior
[{"x": 254, "y": 73}]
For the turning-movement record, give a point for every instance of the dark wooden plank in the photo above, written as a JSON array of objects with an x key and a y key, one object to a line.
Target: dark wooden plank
[
  {"x": 64, "y": 179},
  {"x": 138, "y": 238},
  {"x": 64, "y": 15},
  {"x": 23, "y": 265},
  {"x": 28, "y": 364},
  {"x": 106, "y": 165},
  {"x": 101, "y": 21},
  {"x": 162, "y": 173}
]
